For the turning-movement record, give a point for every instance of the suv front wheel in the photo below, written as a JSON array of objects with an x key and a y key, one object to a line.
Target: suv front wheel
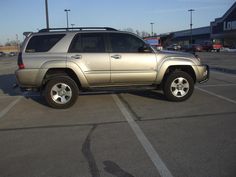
[
  {"x": 178, "y": 86},
  {"x": 60, "y": 92}
]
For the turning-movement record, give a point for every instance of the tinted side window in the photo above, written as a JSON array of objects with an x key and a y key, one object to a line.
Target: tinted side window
[
  {"x": 88, "y": 43},
  {"x": 43, "y": 43},
  {"x": 125, "y": 43}
]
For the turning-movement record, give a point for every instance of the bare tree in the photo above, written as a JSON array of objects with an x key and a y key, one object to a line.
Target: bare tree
[
  {"x": 129, "y": 30},
  {"x": 11, "y": 43},
  {"x": 138, "y": 33},
  {"x": 145, "y": 34}
]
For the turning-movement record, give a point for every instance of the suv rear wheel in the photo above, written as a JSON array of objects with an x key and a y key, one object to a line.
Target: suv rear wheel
[
  {"x": 178, "y": 86},
  {"x": 61, "y": 92}
]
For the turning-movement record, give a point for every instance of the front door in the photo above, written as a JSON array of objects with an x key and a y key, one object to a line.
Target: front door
[{"x": 132, "y": 62}]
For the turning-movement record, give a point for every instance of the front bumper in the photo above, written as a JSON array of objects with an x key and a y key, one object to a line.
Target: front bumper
[{"x": 203, "y": 73}]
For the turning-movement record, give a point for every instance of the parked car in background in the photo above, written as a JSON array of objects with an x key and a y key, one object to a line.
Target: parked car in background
[
  {"x": 12, "y": 54},
  {"x": 193, "y": 48},
  {"x": 212, "y": 46},
  {"x": 2, "y": 54},
  {"x": 174, "y": 47}
]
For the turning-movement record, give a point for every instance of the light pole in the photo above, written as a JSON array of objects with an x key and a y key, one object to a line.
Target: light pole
[
  {"x": 191, "y": 25},
  {"x": 72, "y": 25},
  {"x": 46, "y": 10},
  {"x": 152, "y": 28},
  {"x": 67, "y": 21}
]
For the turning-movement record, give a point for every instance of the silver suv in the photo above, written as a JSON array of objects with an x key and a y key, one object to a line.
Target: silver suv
[{"x": 62, "y": 62}]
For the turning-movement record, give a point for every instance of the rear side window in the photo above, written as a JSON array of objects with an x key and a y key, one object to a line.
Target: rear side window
[
  {"x": 43, "y": 43},
  {"x": 88, "y": 43}
]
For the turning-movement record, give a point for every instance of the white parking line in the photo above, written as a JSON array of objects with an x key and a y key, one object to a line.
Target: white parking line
[
  {"x": 9, "y": 107},
  {"x": 153, "y": 155},
  {"x": 216, "y": 85},
  {"x": 216, "y": 95}
]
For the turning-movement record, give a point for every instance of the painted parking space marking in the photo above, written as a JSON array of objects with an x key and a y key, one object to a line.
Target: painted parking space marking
[
  {"x": 216, "y": 85},
  {"x": 9, "y": 107},
  {"x": 216, "y": 95},
  {"x": 153, "y": 155}
]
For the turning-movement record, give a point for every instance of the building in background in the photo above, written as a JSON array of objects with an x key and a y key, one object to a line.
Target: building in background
[
  {"x": 224, "y": 29},
  {"x": 199, "y": 36},
  {"x": 221, "y": 32}
]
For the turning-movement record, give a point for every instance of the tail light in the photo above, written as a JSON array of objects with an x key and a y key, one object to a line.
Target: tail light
[{"x": 20, "y": 61}]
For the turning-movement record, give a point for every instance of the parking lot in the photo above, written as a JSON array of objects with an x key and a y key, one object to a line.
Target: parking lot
[{"x": 122, "y": 134}]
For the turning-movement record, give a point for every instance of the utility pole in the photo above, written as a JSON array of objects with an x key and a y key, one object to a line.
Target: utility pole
[
  {"x": 17, "y": 43},
  {"x": 191, "y": 25},
  {"x": 46, "y": 9},
  {"x": 152, "y": 28},
  {"x": 67, "y": 19}
]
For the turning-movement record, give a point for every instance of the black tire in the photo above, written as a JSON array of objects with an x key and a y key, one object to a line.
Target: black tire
[
  {"x": 64, "y": 90},
  {"x": 178, "y": 86}
]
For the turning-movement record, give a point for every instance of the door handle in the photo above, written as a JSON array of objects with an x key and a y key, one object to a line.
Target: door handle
[
  {"x": 116, "y": 56},
  {"x": 76, "y": 56}
]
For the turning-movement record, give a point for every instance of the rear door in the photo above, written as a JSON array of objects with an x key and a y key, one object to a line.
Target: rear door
[
  {"x": 88, "y": 51},
  {"x": 131, "y": 61}
]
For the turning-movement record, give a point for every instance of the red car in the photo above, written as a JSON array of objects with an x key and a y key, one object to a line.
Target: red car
[{"x": 210, "y": 46}]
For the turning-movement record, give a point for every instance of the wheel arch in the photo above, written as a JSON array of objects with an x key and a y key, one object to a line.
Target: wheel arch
[
  {"x": 185, "y": 68},
  {"x": 171, "y": 65},
  {"x": 55, "y": 72}
]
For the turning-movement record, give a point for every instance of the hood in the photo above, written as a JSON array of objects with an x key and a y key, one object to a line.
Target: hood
[
  {"x": 161, "y": 55},
  {"x": 176, "y": 54}
]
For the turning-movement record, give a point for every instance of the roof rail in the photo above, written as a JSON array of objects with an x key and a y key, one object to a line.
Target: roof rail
[{"x": 77, "y": 28}]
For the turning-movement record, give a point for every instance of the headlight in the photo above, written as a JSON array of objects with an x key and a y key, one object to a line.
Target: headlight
[{"x": 205, "y": 73}]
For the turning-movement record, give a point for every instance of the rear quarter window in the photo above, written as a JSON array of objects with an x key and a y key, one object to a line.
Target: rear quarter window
[{"x": 43, "y": 43}]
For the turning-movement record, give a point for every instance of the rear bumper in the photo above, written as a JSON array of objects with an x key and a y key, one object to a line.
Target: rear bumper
[
  {"x": 203, "y": 73},
  {"x": 28, "y": 78}
]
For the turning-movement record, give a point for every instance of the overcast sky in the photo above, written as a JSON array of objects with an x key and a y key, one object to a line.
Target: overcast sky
[{"x": 17, "y": 16}]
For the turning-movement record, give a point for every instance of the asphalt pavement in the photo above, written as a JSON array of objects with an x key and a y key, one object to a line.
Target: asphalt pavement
[{"x": 121, "y": 134}]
